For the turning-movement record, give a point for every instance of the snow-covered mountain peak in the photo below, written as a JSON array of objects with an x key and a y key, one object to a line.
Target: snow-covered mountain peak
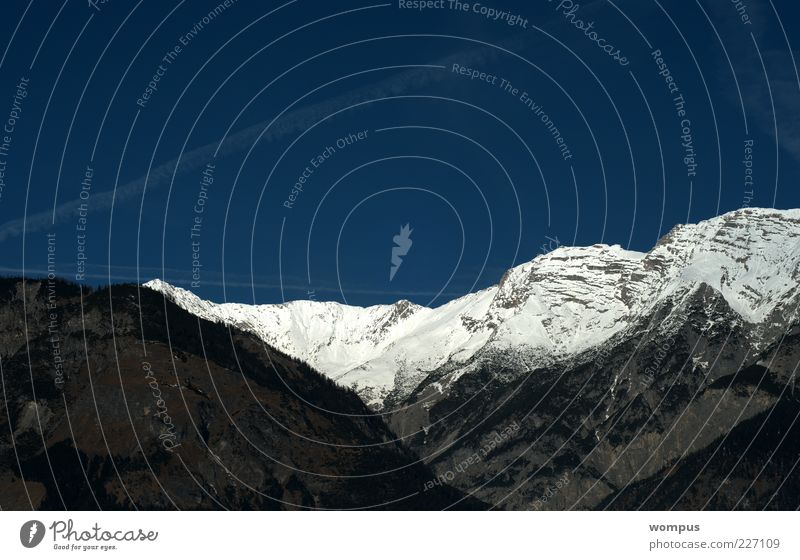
[
  {"x": 561, "y": 303},
  {"x": 750, "y": 256}
]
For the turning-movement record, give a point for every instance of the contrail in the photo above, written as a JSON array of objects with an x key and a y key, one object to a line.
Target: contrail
[{"x": 291, "y": 122}]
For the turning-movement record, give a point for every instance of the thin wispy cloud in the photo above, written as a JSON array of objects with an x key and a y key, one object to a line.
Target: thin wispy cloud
[
  {"x": 291, "y": 122},
  {"x": 130, "y": 275}
]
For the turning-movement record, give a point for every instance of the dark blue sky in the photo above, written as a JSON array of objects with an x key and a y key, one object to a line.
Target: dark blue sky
[{"x": 558, "y": 139}]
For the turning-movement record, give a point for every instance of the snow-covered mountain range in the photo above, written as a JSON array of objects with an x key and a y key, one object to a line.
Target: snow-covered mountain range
[{"x": 563, "y": 303}]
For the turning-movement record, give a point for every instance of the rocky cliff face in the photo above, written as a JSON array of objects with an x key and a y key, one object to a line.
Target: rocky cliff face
[
  {"x": 118, "y": 399},
  {"x": 617, "y": 421}
]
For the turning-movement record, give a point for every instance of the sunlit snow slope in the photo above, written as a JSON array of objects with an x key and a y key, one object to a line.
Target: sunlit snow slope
[{"x": 561, "y": 303}]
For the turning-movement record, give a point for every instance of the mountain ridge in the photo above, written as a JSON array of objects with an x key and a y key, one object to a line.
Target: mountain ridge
[
  {"x": 558, "y": 305},
  {"x": 155, "y": 408}
]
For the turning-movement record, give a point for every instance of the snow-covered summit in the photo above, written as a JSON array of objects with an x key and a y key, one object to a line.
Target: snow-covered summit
[{"x": 559, "y": 304}]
